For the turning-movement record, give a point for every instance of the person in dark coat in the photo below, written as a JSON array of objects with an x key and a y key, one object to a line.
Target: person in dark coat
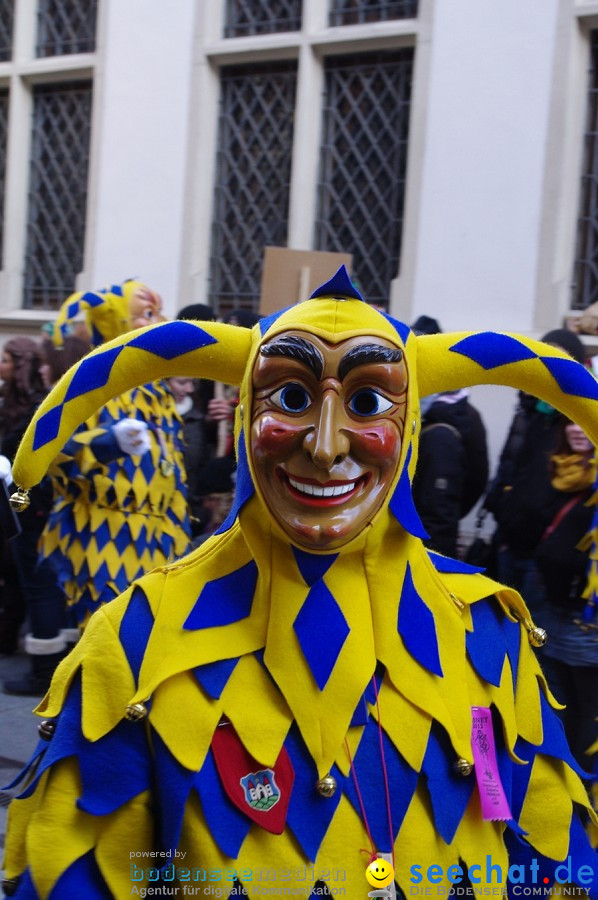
[
  {"x": 521, "y": 496},
  {"x": 570, "y": 657},
  {"x": 452, "y": 468}
]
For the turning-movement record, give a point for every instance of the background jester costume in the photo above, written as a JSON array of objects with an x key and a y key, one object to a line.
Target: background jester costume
[
  {"x": 301, "y": 687},
  {"x": 116, "y": 515}
]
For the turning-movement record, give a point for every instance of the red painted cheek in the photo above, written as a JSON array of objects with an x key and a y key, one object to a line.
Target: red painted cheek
[
  {"x": 272, "y": 437},
  {"x": 378, "y": 446}
]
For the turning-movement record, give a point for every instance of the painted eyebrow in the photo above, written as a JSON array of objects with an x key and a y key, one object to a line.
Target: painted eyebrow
[
  {"x": 293, "y": 347},
  {"x": 366, "y": 354}
]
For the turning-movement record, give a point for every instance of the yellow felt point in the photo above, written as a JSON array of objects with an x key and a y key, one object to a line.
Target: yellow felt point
[
  {"x": 546, "y": 790},
  {"x": 19, "y": 814},
  {"x": 129, "y": 828},
  {"x": 58, "y": 813},
  {"x": 407, "y": 726},
  {"x": 262, "y": 727},
  {"x": 418, "y": 843},
  {"x": 185, "y": 718}
]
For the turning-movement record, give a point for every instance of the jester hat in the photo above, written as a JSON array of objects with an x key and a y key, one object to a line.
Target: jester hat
[
  {"x": 106, "y": 312},
  {"x": 335, "y": 312}
]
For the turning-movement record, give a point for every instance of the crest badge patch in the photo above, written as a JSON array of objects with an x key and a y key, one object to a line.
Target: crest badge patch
[{"x": 261, "y": 790}]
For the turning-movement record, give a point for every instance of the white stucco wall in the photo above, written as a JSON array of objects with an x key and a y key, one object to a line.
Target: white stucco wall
[
  {"x": 480, "y": 203},
  {"x": 139, "y": 161}
]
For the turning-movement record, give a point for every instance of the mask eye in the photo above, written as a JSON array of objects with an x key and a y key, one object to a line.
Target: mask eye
[
  {"x": 368, "y": 402},
  {"x": 292, "y": 398}
]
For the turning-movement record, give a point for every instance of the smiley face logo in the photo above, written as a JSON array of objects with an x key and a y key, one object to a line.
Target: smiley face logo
[{"x": 379, "y": 873}]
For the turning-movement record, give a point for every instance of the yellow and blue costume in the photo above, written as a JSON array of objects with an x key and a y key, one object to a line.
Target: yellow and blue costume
[
  {"x": 345, "y": 679},
  {"x": 115, "y": 516}
]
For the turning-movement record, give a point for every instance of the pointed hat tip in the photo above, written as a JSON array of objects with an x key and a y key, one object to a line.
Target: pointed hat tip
[{"x": 340, "y": 285}]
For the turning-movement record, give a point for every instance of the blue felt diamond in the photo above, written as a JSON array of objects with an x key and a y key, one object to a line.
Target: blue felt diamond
[
  {"x": 312, "y": 567},
  {"x": 135, "y": 629},
  {"x": 490, "y": 349},
  {"x": 267, "y": 321},
  {"x": 400, "y": 327},
  {"x": 213, "y": 677},
  {"x": 244, "y": 488},
  {"x": 321, "y": 614},
  {"x": 571, "y": 377},
  {"x": 173, "y": 339},
  {"x": 417, "y": 627},
  {"x": 82, "y": 880},
  {"x": 47, "y": 427},
  {"x": 485, "y": 645},
  {"x": 224, "y": 600},
  {"x": 93, "y": 298},
  {"x": 402, "y": 506},
  {"x": 447, "y": 564},
  {"x": 92, "y": 373}
]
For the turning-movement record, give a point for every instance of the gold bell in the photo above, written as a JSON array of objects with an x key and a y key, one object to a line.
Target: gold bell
[
  {"x": 20, "y": 500},
  {"x": 537, "y": 636},
  {"x": 135, "y": 712},
  {"x": 463, "y": 767},
  {"x": 326, "y": 786},
  {"x": 46, "y": 729}
]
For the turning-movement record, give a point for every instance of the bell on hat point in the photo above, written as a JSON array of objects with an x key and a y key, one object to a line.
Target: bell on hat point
[
  {"x": 135, "y": 712},
  {"x": 326, "y": 786},
  {"x": 20, "y": 500},
  {"x": 463, "y": 767},
  {"x": 537, "y": 636}
]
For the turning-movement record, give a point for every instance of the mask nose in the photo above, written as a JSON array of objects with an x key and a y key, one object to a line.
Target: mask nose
[{"x": 326, "y": 444}]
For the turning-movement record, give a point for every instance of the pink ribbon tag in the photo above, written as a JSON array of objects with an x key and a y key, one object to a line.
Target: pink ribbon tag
[{"x": 492, "y": 794}]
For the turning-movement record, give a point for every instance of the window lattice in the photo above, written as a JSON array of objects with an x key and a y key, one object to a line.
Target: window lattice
[
  {"x": 245, "y": 17},
  {"x": 363, "y": 163},
  {"x": 7, "y": 15},
  {"x": 57, "y": 192},
  {"x": 357, "y": 12},
  {"x": 252, "y": 183},
  {"x": 3, "y": 136},
  {"x": 66, "y": 26},
  {"x": 585, "y": 281}
]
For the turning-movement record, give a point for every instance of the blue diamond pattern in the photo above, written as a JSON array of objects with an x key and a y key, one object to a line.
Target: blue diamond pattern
[
  {"x": 402, "y": 330},
  {"x": 490, "y": 350},
  {"x": 417, "y": 627},
  {"x": 93, "y": 298},
  {"x": 173, "y": 339},
  {"x": 135, "y": 629},
  {"x": 402, "y": 506},
  {"x": 321, "y": 614},
  {"x": 224, "y": 600},
  {"x": 47, "y": 427},
  {"x": 571, "y": 377},
  {"x": 447, "y": 564},
  {"x": 312, "y": 567},
  {"x": 92, "y": 373}
]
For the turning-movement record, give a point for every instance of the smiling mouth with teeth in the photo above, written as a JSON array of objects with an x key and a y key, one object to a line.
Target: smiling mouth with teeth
[{"x": 316, "y": 494}]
